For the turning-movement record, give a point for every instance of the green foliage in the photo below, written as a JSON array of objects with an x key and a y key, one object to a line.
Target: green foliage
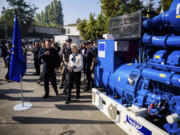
[
  {"x": 119, "y": 7},
  {"x": 6, "y": 21},
  {"x": 110, "y": 8},
  {"x": 25, "y": 13},
  {"x": 52, "y": 16},
  {"x": 82, "y": 27},
  {"x": 94, "y": 28},
  {"x": 78, "y": 20},
  {"x": 150, "y": 4},
  {"x": 165, "y": 4},
  {"x": 102, "y": 26}
]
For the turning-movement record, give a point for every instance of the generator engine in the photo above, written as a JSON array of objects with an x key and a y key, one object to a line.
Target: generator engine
[{"x": 151, "y": 78}]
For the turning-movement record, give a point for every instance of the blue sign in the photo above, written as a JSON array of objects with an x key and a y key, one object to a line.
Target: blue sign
[
  {"x": 138, "y": 126},
  {"x": 101, "y": 46}
]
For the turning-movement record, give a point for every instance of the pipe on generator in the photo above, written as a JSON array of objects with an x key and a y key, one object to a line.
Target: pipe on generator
[
  {"x": 161, "y": 41},
  {"x": 171, "y": 17}
]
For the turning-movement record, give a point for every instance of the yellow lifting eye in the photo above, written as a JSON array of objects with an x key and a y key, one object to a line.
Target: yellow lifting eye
[
  {"x": 129, "y": 64},
  {"x": 162, "y": 75},
  {"x": 119, "y": 78},
  {"x": 157, "y": 56}
]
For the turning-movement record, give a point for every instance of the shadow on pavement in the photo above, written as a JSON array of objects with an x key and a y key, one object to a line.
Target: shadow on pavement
[
  {"x": 28, "y": 74},
  {"x": 33, "y": 99},
  {"x": 86, "y": 97},
  {"x": 30, "y": 67},
  {"x": 68, "y": 132},
  {"x": 41, "y": 120},
  {"x": 30, "y": 80},
  {"x": 13, "y": 91},
  {"x": 41, "y": 107},
  {"x": 75, "y": 107}
]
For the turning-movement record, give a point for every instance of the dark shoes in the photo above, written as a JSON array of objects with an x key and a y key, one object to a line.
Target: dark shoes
[
  {"x": 67, "y": 101},
  {"x": 56, "y": 93},
  {"x": 87, "y": 89},
  {"x": 45, "y": 96},
  {"x": 61, "y": 86},
  {"x": 36, "y": 74},
  {"x": 39, "y": 82},
  {"x": 77, "y": 97},
  {"x": 64, "y": 92}
]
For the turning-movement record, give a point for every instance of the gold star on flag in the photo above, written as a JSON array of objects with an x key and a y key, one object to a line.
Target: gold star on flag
[
  {"x": 13, "y": 45},
  {"x": 12, "y": 52}
]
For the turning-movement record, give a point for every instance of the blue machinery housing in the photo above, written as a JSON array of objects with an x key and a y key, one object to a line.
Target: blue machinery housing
[{"x": 154, "y": 81}]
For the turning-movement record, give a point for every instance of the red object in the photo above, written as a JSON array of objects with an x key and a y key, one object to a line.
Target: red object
[{"x": 151, "y": 106}]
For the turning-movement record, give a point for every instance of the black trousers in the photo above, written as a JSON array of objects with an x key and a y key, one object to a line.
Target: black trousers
[
  {"x": 74, "y": 77},
  {"x": 7, "y": 74},
  {"x": 41, "y": 78},
  {"x": 89, "y": 79},
  {"x": 66, "y": 86},
  {"x": 49, "y": 75},
  {"x": 37, "y": 66}
]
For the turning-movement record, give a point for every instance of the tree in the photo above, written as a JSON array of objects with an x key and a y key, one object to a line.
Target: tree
[
  {"x": 52, "y": 16},
  {"x": 150, "y": 8},
  {"x": 6, "y": 22},
  {"x": 91, "y": 28},
  {"x": 119, "y": 7},
  {"x": 165, "y": 4},
  {"x": 78, "y": 20},
  {"x": 82, "y": 27},
  {"x": 110, "y": 8},
  {"x": 150, "y": 4},
  {"x": 134, "y": 5},
  {"x": 94, "y": 28},
  {"x": 102, "y": 26},
  {"x": 25, "y": 12},
  {"x": 88, "y": 29}
]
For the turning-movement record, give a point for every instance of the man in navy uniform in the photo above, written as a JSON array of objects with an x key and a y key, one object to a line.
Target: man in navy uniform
[
  {"x": 36, "y": 50},
  {"x": 51, "y": 63},
  {"x": 89, "y": 63}
]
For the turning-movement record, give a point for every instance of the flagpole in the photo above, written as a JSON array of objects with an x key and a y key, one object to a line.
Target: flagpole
[
  {"x": 21, "y": 91},
  {"x": 23, "y": 105},
  {"x": 17, "y": 69}
]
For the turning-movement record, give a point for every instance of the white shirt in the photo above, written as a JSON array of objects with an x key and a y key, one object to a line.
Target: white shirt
[{"x": 77, "y": 63}]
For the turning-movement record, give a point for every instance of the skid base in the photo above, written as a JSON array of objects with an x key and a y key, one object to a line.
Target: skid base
[{"x": 130, "y": 119}]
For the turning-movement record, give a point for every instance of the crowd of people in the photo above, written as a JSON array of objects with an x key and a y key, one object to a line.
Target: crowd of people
[
  {"x": 71, "y": 60},
  {"x": 5, "y": 52}
]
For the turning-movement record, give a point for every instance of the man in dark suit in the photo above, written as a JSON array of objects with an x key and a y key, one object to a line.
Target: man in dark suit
[{"x": 51, "y": 64}]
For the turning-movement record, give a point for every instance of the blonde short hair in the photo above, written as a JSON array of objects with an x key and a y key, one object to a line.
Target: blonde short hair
[{"x": 74, "y": 45}]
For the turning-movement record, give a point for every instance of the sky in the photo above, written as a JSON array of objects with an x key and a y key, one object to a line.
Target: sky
[{"x": 72, "y": 9}]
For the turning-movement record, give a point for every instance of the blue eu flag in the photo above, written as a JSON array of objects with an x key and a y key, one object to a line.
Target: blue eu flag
[{"x": 17, "y": 63}]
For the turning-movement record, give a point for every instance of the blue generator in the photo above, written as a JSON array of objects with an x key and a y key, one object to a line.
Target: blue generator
[{"x": 141, "y": 66}]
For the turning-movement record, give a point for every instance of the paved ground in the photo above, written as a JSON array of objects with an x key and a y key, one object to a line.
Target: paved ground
[{"x": 48, "y": 116}]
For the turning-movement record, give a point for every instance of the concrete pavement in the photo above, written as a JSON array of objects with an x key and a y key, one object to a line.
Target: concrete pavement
[{"x": 48, "y": 116}]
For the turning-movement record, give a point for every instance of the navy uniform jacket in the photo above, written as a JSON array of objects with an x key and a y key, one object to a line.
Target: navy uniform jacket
[
  {"x": 66, "y": 53},
  {"x": 36, "y": 52},
  {"x": 90, "y": 54},
  {"x": 51, "y": 61}
]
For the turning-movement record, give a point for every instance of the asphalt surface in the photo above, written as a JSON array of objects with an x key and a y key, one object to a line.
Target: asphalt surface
[{"x": 49, "y": 116}]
